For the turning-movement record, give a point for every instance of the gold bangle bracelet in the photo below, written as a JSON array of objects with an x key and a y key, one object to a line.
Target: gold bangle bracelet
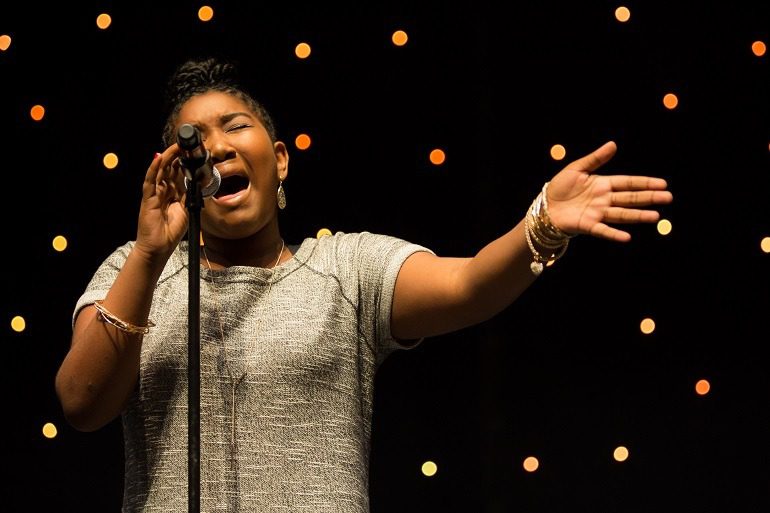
[{"x": 108, "y": 317}]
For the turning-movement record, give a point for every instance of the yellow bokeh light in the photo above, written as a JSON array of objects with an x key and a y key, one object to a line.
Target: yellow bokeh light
[
  {"x": 302, "y": 141},
  {"x": 558, "y": 152},
  {"x": 647, "y": 326},
  {"x": 37, "y": 112},
  {"x": 437, "y": 156},
  {"x": 103, "y": 21},
  {"x": 110, "y": 161},
  {"x": 670, "y": 101},
  {"x": 5, "y": 42},
  {"x": 765, "y": 244},
  {"x": 530, "y": 464},
  {"x": 429, "y": 469},
  {"x": 622, "y": 14},
  {"x": 758, "y": 48},
  {"x": 399, "y": 38},
  {"x": 664, "y": 227},
  {"x": 59, "y": 243},
  {"x": 302, "y": 50},
  {"x": 205, "y": 13},
  {"x": 323, "y": 232},
  {"x": 702, "y": 387},
  {"x": 620, "y": 453},
  {"x": 18, "y": 324},
  {"x": 49, "y": 430}
]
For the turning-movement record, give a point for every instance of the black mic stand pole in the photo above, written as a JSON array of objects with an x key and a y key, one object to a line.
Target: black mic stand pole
[{"x": 194, "y": 205}]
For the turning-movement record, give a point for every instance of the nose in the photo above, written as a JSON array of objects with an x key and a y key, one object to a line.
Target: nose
[{"x": 219, "y": 147}]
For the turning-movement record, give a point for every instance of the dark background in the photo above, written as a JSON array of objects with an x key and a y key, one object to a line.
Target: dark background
[{"x": 564, "y": 373}]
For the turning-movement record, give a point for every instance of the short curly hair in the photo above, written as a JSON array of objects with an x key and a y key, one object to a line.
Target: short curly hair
[{"x": 198, "y": 76}]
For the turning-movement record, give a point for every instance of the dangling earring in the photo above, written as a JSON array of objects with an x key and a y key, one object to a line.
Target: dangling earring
[{"x": 281, "y": 196}]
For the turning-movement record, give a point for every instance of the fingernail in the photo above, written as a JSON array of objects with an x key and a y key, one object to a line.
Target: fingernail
[{"x": 156, "y": 156}]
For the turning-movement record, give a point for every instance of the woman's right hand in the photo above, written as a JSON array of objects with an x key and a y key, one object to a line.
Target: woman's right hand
[{"x": 162, "y": 215}]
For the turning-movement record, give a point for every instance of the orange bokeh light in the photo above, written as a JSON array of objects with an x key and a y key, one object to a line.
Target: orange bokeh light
[
  {"x": 670, "y": 101},
  {"x": 205, "y": 13},
  {"x": 758, "y": 48},
  {"x": 437, "y": 156},
  {"x": 399, "y": 38},
  {"x": 103, "y": 21},
  {"x": 37, "y": 112},
  {"x": 302, "y": 50},
  {"x": 302, "y": 141}
]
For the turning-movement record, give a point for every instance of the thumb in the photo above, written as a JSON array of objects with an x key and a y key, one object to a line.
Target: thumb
[{"x": 595, "y": 159}]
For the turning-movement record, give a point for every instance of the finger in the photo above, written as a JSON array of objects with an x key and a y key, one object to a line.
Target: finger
[
  {"x": 630, "y": 215},
  {"x": 637, "y": 183},
  {"x": 640, "y": 198},
  {"x": 148, "y": 187},
  {"x": 604, "y": 231},
  {"x": 595, "y": 159},
  {"x": 178, "y": 175}
]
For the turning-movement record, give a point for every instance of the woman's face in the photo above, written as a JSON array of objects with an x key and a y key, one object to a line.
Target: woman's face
[{"x": 251, "y": 165}]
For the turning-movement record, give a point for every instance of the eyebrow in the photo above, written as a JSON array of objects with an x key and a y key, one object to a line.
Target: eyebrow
[
  {"x": 229, "y": 117},
  {"x": 226, "y": 118}
]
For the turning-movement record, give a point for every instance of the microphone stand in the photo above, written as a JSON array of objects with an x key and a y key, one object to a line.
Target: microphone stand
[
  {"x": 196, "y": 164},
  {"x": 194, "y": 204}
]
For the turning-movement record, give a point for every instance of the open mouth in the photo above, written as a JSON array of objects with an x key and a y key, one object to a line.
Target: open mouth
[{"x": 231, "y": 185}]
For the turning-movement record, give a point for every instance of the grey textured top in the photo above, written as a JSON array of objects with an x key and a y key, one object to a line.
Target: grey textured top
[{"x": 288, "y": 358}]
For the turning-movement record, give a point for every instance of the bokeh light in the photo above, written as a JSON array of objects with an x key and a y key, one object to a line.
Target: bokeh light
[
  {"x": 764, "y": 244},
  {"x": 37, "y": 112},
  {"x": 620, "y": 453},
  {"x": 323, "y": 232},
  {"x": 18, "y": 324},
  {"x": 647, "y": 326},
  {"x": 622, "y": 14},
  {"x": 702, "y": 387},
  {"x": 670, "y": 101},
  {"x": 302, "y": 50},
  {"x": 302, "y": 141},
  {"x": 49, "y": 430},
  {"x": 429, "y": 469},
  {"x": 437, "y": 157},
  {"x": 664, "y": 227},
  {"x": 758, "y": 48},
  {"x": 399, "y": 38},
  {"x": 110, "y": 161},
  {"x": 558, "y": 152},
  {"x": 530, "y": 464},
  {"x": 205, "y": 13},
  {"x": 5, "y": 42},
  {"x": 103, "y": 21},
  {"x": 59, "y": 243}
]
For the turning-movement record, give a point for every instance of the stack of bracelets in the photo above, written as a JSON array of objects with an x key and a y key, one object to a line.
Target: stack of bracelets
[
  {"x": 540, "y": 229},
  {"x": 124, "y": 326}
]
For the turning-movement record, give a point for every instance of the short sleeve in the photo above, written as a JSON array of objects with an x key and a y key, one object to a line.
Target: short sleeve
[{"x": 376, "y": 261}]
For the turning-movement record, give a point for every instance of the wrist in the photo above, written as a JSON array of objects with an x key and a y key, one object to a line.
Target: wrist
[{"x": 546, "y": 241}]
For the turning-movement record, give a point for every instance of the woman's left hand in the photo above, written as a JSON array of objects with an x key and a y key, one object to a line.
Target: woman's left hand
[{"x": 582, "y": 202}]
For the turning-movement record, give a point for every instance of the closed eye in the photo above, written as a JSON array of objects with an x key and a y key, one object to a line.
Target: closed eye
[{"x": 237, "y": 127}]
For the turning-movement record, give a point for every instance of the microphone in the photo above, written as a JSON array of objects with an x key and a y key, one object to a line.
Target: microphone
[{"x": 196, "y": 161}]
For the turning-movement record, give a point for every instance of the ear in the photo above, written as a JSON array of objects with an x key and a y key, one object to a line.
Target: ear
[{"x": 282, "y": 160}]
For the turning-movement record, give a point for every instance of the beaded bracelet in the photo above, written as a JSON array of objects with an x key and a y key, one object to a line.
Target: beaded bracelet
[
  {"x": 538, "y": 227},
  {"x": 107, "y": 316}
]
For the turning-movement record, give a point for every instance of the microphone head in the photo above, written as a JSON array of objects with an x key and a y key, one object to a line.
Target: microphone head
[
  {"x": 188, "y": 137},
  {"x": 212, "y": 187}
]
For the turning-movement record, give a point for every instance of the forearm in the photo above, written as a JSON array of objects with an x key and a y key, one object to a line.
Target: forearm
[
  {"x": 498, "y": 274},
  {"x": 100, "y": 371}
]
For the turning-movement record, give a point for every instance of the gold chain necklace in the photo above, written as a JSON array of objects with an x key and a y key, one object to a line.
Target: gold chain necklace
[{"x": 222, "y": 327}]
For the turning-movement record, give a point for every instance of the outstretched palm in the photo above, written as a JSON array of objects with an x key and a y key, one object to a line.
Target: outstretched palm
[{"x": 582, "y": 202}]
